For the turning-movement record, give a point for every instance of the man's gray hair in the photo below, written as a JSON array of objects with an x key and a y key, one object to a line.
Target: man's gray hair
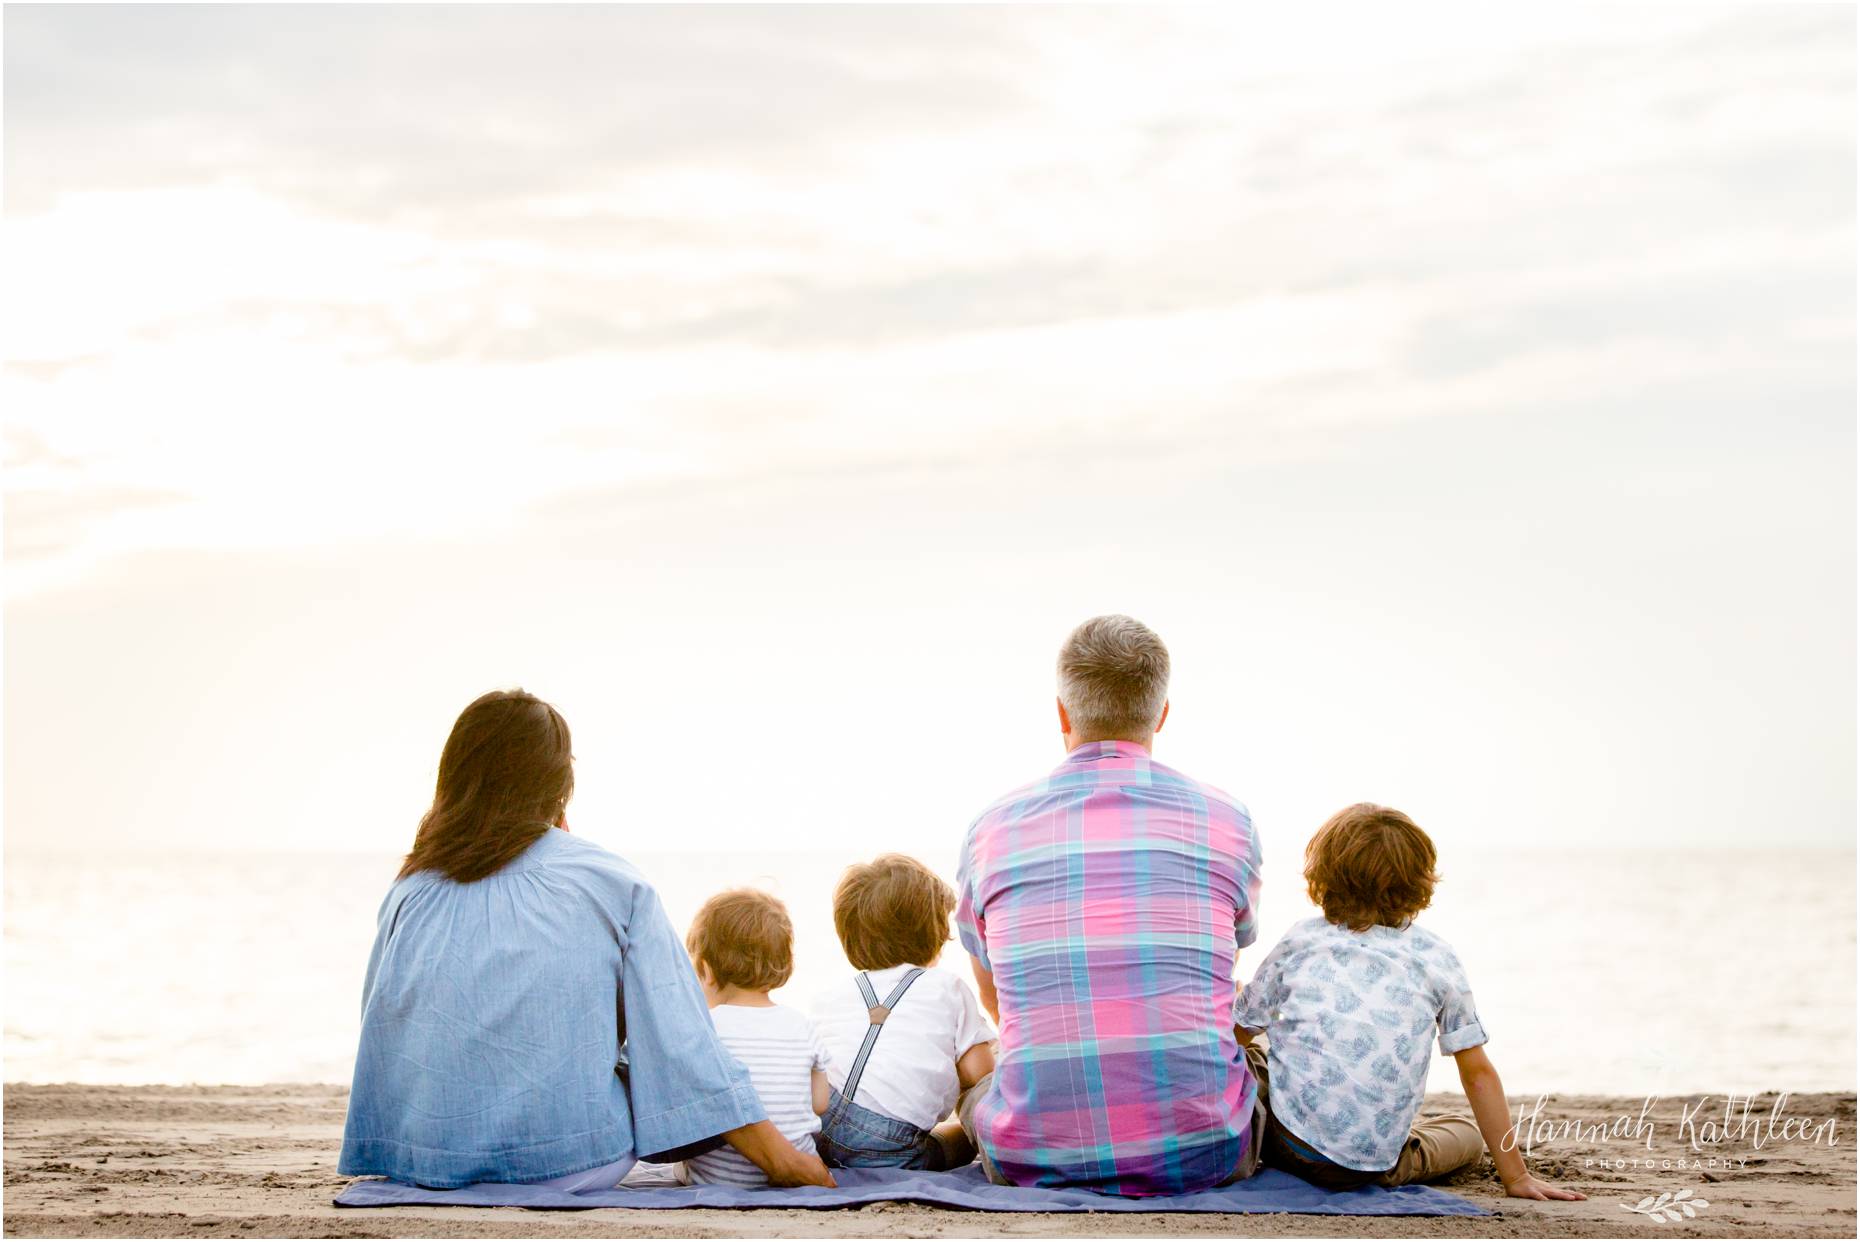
[{"x": 1113, "y": 679}]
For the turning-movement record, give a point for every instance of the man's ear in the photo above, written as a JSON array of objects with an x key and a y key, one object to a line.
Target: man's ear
[
  {"x": 1065, "y": 721},
  {"x": 1161, "y": 718}
]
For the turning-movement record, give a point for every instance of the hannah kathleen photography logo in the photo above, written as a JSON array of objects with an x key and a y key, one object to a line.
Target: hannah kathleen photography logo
[
  {"x": 1674, "y": 1205},
  {"x": 1710, "y": 1135}
]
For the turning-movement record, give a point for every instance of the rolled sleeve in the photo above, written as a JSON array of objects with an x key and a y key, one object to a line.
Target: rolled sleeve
[
  {"x": 1459, "y": 1039},
  {"x": 1458, "y": 1018},
  {"x": 1460, "y": 1027},
  {"x": 969, "y": 923},
  {"x": 1245, "y": 930},
  {"x": 683, "y": 1084},
  {"x": 971, "y": 1027}
]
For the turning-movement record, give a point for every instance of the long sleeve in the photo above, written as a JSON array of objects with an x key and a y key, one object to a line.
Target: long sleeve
[
  {"x": 683, "y": 1084},
  {"x": 384, "y": 928},
  {"x": 969, "y": 922}
]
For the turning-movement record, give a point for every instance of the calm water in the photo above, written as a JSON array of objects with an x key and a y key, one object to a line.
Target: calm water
[{"x": 1633, "y": 973}]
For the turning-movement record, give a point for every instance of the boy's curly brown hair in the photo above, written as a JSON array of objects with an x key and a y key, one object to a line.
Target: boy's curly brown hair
[
  {"x": 744, "y": 936},
  {"x": 1370, "y": 866},
  {"x": 890, "y": 911}
]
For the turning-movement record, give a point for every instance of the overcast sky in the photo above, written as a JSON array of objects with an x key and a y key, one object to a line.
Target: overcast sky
[{"x": 1465, "y": 395}]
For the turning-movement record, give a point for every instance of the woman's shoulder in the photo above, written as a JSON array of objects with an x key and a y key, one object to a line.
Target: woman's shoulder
[
  {"x": 561, "y": 851},
  {"x": 562, "y": 863}
]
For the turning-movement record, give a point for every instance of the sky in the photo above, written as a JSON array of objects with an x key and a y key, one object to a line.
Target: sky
[{"x": 1466, "y": 396}]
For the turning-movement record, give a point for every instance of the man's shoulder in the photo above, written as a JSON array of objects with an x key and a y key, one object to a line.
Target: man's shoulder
[
  {"x": 1034, "y": 797},
  {"x": 1020, "y": 799},
  {"x": 1214, "y": 795}
]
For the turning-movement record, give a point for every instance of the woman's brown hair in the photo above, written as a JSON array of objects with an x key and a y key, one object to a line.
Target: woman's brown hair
[
  {"x": 1370, "y": 866},
  {"x": 505, "y": 777}
]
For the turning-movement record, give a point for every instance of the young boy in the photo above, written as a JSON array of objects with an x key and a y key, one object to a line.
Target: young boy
[
  {"x": 1348, "y": 1004},
  {"x": 905, "y": 1040},
  {"x": 742, "y": 945}
]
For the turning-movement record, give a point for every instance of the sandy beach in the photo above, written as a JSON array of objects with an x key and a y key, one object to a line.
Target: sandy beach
[{"x": 228, "y": 1161}]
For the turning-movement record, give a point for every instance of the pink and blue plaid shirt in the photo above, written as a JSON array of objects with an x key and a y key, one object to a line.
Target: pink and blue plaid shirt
[{"x": 1109, "y": 900}]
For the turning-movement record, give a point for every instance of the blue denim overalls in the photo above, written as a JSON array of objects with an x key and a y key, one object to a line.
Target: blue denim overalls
[{"x": 852, "y": 1136}]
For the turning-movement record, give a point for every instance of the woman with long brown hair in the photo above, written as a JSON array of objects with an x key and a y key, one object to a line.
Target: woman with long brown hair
[{"x": 529, "y": 1014}]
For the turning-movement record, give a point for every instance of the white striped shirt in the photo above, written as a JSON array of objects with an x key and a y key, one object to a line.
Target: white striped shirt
[{"x": 781, "y": 1050}]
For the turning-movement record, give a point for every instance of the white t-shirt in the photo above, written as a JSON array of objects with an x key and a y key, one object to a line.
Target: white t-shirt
[
  {"x": 781, "y": 1050},
  {"x": 911, "y": 1074}
]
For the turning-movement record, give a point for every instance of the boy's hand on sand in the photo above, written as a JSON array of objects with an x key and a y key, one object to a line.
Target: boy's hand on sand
[{"x": 1528, "y": 1187}]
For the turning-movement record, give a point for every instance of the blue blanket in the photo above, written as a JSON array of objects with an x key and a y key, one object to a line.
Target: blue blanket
[{"x": 1270, "y": 1191}]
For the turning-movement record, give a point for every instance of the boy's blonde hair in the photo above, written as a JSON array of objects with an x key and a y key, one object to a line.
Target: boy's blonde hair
[
  {"x": 1370, "y": 866},
  {"x": 744, "y": 936},
  {"x": 891, "y": 911}
]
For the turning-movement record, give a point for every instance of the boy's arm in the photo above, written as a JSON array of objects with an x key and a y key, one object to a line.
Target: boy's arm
[
  {"x": 985, "y": 984},
  {"x": 823, "y": 1093},
  {"x": 974, "y": 1065},
  {"x": 1487, "y": 1096},
  {"x": 765, "y": 1147}
]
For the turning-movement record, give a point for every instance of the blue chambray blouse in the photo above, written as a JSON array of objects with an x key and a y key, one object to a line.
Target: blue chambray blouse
[{"x": 494, "y": 1017}]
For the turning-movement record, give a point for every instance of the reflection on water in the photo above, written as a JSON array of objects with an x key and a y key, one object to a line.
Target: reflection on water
[{"x": 1632, "y": 973}]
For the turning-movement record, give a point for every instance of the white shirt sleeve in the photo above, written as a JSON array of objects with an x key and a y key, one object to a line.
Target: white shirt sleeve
[
  {"x": 822, "y": 1059},
  {"x": 971, "y": 1027}
]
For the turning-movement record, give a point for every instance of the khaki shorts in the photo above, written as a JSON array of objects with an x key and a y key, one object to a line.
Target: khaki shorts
[{"x": 1436, "y": 1146}]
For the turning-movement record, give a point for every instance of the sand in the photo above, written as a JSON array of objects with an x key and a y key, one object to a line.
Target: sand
[{"x": 87, "y": 1161}]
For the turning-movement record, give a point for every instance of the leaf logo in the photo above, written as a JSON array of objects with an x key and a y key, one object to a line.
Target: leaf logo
[{"x": 1670, "y": 1206}]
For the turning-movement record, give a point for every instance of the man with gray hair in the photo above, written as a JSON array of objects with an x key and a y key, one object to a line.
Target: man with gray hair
[{"x": 1104, "y": 905}]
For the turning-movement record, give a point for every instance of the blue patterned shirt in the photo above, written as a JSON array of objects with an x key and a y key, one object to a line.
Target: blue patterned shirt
[{"x": 1348, "y": 1016}]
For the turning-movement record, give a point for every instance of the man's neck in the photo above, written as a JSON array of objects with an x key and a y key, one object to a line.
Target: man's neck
[{"x": 1073, "y": 743}]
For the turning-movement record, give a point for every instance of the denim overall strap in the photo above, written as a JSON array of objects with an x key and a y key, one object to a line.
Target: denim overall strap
[{"x": 878, "y": 1015}]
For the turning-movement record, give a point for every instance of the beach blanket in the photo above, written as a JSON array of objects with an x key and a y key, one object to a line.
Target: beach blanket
[{"x": 1270, "y": 1191}]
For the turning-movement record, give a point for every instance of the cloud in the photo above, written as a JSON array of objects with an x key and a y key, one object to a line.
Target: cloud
[
  {"x": 404, "y": 113},
  {"x": 706, "y": 244},
  {"x": 1711, "y": 311},
  {"x": 44, "y": 524}
]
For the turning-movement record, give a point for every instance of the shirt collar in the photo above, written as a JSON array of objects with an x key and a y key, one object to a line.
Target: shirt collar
[{"x": 1092, "y": 752}]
